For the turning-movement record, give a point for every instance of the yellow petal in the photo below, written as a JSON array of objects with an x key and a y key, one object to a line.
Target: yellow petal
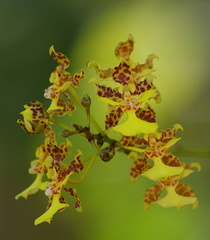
[
  {"x": 54, "y": 105},
  {"x": 28, "y": 126},
  {"x": 133, "y": 126},
  {"x": 172, "y": 199},
  {"x": 54, "y": 77},
  {"x": 124, "y": 49},
  {"x": 51, "y": 49},
  {"x": 93, "y": 63},
  {"x": 136, "y": 149},
  {"x": 33, "y": 188},
  {"x": 170, "y": 143},
  {"x": 48, "y": 215},
  {"x": 147, "y": 95},
  {"x": 110, "y": 102},
  {"x": 195, "y": 165},
  {"x": 93, "y": 80},
  {"x": 60, "y": 58},
  {"x": 190, "y": 169},
  {"x": 160, "y": 170}
]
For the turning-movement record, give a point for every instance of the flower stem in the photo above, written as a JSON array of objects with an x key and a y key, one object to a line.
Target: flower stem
[{"x": 52, "y": 120}]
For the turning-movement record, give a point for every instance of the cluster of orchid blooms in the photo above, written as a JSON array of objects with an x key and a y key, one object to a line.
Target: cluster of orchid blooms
[{"x": 126, "y": 90}]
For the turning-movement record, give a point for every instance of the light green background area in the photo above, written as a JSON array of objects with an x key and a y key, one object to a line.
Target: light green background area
[{"x": 178, "y": 32}]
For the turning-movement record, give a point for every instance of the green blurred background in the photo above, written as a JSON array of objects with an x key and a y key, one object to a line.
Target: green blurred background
[{"x": 178, "y": 32}]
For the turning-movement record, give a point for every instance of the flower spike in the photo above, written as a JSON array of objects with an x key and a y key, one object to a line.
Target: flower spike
[{"x": 130, "y": 128}]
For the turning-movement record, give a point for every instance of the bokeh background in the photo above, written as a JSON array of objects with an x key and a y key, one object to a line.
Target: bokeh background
[{"x": 178, "y": 32}]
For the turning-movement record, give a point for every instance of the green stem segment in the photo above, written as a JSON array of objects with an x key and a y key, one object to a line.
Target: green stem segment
[{"x": 52, "y": 120}]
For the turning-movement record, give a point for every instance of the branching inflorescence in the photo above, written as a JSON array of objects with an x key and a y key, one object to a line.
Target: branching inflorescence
[{"x": 129, "y": 94}]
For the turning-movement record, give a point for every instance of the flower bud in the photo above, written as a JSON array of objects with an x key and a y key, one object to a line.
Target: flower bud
[
  {"x": 86, "y": 101},
  {"x": 65, "y": 133},
  {"x": 106, "y": 154}
]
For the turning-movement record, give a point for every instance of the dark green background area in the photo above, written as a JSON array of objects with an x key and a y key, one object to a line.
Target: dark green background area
[{"x": 113, "y": 206}]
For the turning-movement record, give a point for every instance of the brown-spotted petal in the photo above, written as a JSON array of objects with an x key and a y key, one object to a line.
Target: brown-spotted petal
[
  {"x": 151, "y": 195},
  {"x": 124, "y": 49}
]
